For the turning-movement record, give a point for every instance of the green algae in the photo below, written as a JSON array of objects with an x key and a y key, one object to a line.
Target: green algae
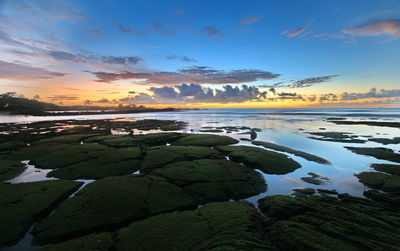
[
  {"x": 376, "y": 152},
  {"x": 302, "y": 154},
  {"x": 84, "y": 161},
  {"x": 100, "y": 242},
  {"x": 10, "y": 169},
  {"x": 387, "y": 168},
  {"x": 153, "y": 139},
  {"x": 204, "y": 140},
  {"x": 23, "y": 204},
  {"x": 326, "y": 223},
  {"x": 160, "y": 156},
  {"x": 386, "y": 182},
  {"x": 344, "y": 137},
  {"x": 315, "y": 179},
  {"x": 306, "y": 191},
  {"x": 386, "y": 141},
  {"x": 110, "y": 203},
  {"x": 216, "y": 226},
  {"x": 267, "y": 161},
  {"x": 213, "y": 180},
  {"x": 66, "y": 139}
]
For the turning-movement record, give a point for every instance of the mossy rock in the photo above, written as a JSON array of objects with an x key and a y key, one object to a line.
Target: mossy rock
[
  {"x": 109, "y": 204},
  {"x": 386, "y": 141},
  {"x": 23, "y": 204},
  {"x": 10, "y": 169},
  {"x": 84, "y": 161},
  {"x": 306, "y": 191},
  {"x": 113, "y": 163},
  {"x": 161, "y": 156},
  {"x": 387, "y": 168},
  {"x": 216, "y": 226},
  {"x": 213, "y": 180},
  {"x": 66, "y": 139},
  {"x": 205, "y": 140},
  {"x": 267, "y": 161},
  {"x": 315, "y": 179},
  {"x": 344, "y": 137},
  {"x": 386, "y": 182},
  {"x": 326, "y": 223},
  {"x": 376, "y": 152},
  {"x": 11, "y": 145},
  {"x": 152, "y": 139},
  {"x": 302, "y": 154},
  {"x": 59, "y": 155},
  {"x": 100, "y": 242}
]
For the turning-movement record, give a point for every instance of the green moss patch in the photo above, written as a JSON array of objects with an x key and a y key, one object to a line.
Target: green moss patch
[
  {"x": 386, "y": 182},
  {"x": 153, "y": 139},
  {"x": 66, "y": 139},
  {"x": 205, "y": 140},
  {"x": 337, "y": 137},
  {"x": 267, "y": 161},
  {"x": 386, "y": 141},
  {"x": 10, "y": 169},
  {"x": 160, "y": 156},
  {"x": 376, "y": 152},
  {"x": 302, "y": 154},
  {"x": 387, "y": 168},
  {"x": 84, "y": 161},
  {"x": 110, "y": 203},
  {"x": 23, "y": 204},
  {"x": 315, "y": 179},
  {"x": 326, "y": 223},
  {"x": 11, "y": 145},
  {"x": 213, "y": 180}
]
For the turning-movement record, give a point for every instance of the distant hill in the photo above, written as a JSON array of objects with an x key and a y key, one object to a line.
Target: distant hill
[{"x": 11, "y": 103}]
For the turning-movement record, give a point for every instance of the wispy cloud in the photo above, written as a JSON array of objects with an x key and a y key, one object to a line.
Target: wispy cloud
[
  {"x": 375, "y": 28},
  {"x": 13, "y": 71},
  {"x": 295, "y": 32},
  {"x": 195, "y": 93},
  {"x": 250, "y": 20},
  {"x": 97, "y": 32},
  {"x": 211, "y": 31},
  {"x": 130, "y": 30},
  {"x": 181, "y": 58},
  {"x": 194, "y": 74}
]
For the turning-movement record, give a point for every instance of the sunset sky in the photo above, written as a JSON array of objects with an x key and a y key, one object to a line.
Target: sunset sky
[{"x": 202, "y": 53}]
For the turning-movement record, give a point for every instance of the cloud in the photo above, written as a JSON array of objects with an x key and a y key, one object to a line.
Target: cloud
[
  {"x": 211, "y": 31},
  {"x": 141, "y": 98},
  {"x": 129, "y": 30},
  {"x": 250, "y": 20},
  {"x": 63, "y": 98},
  {"x": 194, "y": 74},
  {"x": 181, "y": 58},
  {"x": 95, "y": 32},
  {"x": 13, "y": 71},
  {"x": 375, "y": 28},
  {"x": 373, "y": 93},
  {"x": 311, "y": 81},
  {"x": 158, "y": 27},
  {"x": 287, "y": 94},
  {"x": 295, "y": 32},
  {"x": 194, "y": 93}
]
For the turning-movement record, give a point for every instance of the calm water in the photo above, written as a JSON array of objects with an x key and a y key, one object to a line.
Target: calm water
[{"x": 287, "y": 127}]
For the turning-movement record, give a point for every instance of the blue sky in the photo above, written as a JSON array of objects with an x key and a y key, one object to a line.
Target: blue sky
[{"x": 143, "y": 51}]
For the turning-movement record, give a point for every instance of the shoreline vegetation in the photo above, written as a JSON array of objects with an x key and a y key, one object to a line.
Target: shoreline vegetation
[
  {"x": 10, "y": 103},
  {"x": 180, "y": 190}
]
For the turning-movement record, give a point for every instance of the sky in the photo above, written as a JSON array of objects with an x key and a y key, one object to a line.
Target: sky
[{"x": 183, "y": 53}]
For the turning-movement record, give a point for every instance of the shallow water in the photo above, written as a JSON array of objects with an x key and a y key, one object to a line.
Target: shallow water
[{"x": 287, "y": 127}]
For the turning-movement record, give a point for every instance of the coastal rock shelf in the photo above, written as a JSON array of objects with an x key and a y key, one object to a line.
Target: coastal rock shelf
[{"x": 183, "y": 191}]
